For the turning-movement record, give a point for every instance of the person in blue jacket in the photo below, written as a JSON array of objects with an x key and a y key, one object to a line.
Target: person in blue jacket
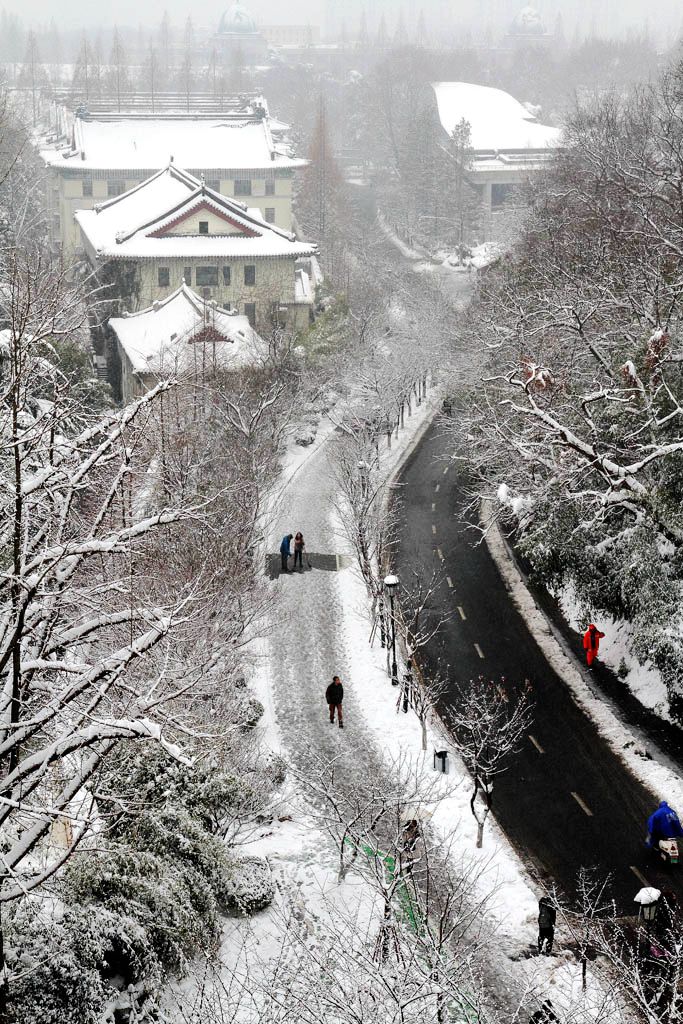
[
  {"x": 662, "y": 824},
  {"x": 284, "y": 552}
]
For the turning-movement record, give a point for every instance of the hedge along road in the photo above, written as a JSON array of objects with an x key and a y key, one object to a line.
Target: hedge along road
[{"x": 567, "y": 800}]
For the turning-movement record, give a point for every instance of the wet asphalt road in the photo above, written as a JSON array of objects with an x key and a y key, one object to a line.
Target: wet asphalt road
[{"x": 567, "y": 800}]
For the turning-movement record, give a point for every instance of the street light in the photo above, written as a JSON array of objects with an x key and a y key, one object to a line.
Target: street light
[
  {"x": 648, "y": 898},
  {"x": 391, "y": 586}
]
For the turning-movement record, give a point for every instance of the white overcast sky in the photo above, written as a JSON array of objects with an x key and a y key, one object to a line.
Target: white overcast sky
[{"x": 70, "y": 14}]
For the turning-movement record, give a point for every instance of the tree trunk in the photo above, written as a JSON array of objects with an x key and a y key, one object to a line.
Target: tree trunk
[{"x": 15, "y": 590}]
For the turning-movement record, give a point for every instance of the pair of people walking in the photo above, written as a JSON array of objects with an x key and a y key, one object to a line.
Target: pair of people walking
[{"x": 298, "y": 551}]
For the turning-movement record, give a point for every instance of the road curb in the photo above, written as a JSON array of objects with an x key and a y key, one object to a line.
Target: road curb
[{"x": 619, "y": 736}]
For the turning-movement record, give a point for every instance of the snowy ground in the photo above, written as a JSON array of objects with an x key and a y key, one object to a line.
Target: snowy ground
[{"x": 321, "y": 627}]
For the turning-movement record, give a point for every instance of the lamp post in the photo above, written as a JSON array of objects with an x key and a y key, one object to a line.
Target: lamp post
[
  {"x": 391, "y": 586},
  {"x": 648, "y": 898}
]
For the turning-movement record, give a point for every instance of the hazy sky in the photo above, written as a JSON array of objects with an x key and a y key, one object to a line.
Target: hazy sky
[
  {"x": 617, "y": 14},
  {"x": 71, "y": 13}
]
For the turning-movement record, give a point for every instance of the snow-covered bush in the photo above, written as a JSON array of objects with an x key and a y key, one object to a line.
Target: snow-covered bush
[
  {"x": 215, "y": 795},
  {"x": 65, "y": 968},
  {"x": 252, "y": 712},
  {"x": 250, "y": 886}
]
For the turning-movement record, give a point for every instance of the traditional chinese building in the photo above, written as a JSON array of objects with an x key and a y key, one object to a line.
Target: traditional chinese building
[
  {"x": 174, "y": 228},
  {"x": 182, "y": 336},
  {"x": 102, "y": 155}
]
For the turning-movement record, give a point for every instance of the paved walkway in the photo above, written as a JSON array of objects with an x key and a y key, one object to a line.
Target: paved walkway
[{"x": 308, "y": 645}]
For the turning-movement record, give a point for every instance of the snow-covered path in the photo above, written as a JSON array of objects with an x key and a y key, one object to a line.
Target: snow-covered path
[
  {"x": 308, "y": 643},
  {"x": 314, "y": 636}
]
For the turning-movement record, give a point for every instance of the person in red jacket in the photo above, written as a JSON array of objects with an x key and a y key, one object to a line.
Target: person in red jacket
[{"x": 591, "y": 643}]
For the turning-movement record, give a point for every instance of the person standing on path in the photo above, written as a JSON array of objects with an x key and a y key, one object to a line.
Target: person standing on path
[
  {"x": 591, "y": 643},
  {"x": 299, "y": 547},
  {"x": 334, "y": 695},
  {"x": 546, "y": 1014},
  {"x": 547, "y": 915},
  {"x": 284, "y": 552}
]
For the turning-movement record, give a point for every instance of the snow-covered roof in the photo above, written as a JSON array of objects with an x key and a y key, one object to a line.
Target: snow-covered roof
[
  {"x": 497, "y": 120},
  {"x": 147, "y": 144},
  {"x": 183, "y": 334},
  {"x": 146, "y": 223}
]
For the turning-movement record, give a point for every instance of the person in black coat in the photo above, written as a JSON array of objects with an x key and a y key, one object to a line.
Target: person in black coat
[
  {"x": 334, "y": 695},
  {"x": 547, "y": 915}
]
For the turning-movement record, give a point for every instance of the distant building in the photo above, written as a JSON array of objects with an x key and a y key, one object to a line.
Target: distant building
[
  {"x": 238, "y": 37},
  {"x": 173, "y": 228},
  {"x": 102, "y": 156},
  {"x": 528, "y": 30},
  {"x": 291, "y": 35},
  {"x": 182, "y": 336},
  {"x": 507, "y": 143}
]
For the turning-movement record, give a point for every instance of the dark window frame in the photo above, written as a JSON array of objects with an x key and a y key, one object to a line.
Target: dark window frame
[
  {"x": 270, "y": 215},
  {"x": 270, "y": 188},
  {"x": 227, "y": 277},
  {"x": 115, "y": 187},
  {"x": 250, "y": 313},
  {"x": 250, "y": 275},
  {"x": 203, "y": 227},
  {"x": 242, "y": 186},
  {"x": 163, "y": 272},
  {"x": 87, "y": 187}
]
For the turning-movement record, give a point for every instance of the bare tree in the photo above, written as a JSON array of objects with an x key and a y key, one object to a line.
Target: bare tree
[{"x": 487, "y": 720}]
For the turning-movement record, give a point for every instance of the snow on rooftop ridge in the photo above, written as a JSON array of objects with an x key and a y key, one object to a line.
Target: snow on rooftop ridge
[
  {"x": 497, "y": 120},
  {"x": 171, "y": 169},
  {"x": 143, "y": 214},
  {"x": 136, "y": 224}
]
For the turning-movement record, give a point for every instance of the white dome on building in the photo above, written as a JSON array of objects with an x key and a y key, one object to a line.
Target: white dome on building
[
  {"x": 528, "y": 22},
  {"x": 237, "y": 20}
]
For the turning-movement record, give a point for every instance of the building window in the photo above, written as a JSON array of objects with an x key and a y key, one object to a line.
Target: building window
[
  {"x": 116, "y": 187},
  {"x": 270, "y": 214},
  {"x": 207, "y": 277},
  {"x": 203, "y": 227},
  {"x": 187, "y": 275},
  {"x": 226, "y": 276},
  {"x": 242, "y": 187},
  {"x": 163, "y": 277},
  {"x": 270, "y": 188},
  {"x": 87, "y": 186},
  {"x": 250, "y": 275},
  {"x": 213, "y": 183},
  {"x": 250, "y": 313}
]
